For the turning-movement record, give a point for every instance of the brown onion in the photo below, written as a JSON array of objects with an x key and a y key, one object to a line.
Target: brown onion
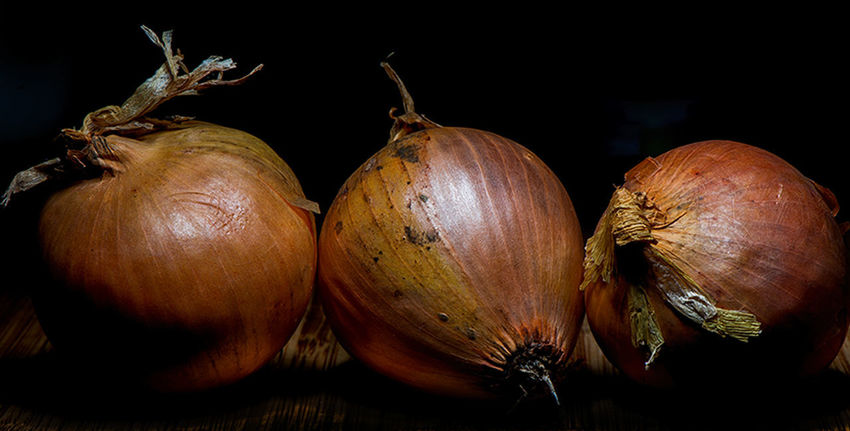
[
  {"x": 717, "y": 263},
  {"x": 187, "y": 259},
  {"x": 450, "y": 261}
]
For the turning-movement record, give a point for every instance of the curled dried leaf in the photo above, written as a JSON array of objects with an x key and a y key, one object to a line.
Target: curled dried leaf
[
  {"x": 172, "y": 79},
  {"x": 631, "y": 218},
  {"x": 645, "y": 331}
]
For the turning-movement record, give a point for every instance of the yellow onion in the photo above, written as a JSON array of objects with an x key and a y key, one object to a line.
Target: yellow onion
[
  {"x": 715, "y": 264},
  {"x": 183, "y": 253},
  {"x": 450, "y": 261}
]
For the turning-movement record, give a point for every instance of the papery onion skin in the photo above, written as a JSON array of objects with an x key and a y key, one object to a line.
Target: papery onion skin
[
  {"x": 184, "y": 267},
  {"x": 313, "y": 345},
  {"x": 449, "y": 258},
  {"x": 757, "y": 236}
]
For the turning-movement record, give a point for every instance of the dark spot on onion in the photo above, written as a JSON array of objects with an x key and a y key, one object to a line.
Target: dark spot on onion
[
  {"x": 408, "y": 153},
  {"x": 443, "y": 317},
  {"x": 397, "y": 294},
  {"x": 338, "y": 227},
  {"x": 421, "y": 238}
]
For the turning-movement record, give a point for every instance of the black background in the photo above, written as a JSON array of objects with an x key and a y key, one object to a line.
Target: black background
[{"x": 590, "y": 92}]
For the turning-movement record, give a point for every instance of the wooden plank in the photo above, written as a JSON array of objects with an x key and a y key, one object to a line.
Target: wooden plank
[{"x": 38, "y": 393}]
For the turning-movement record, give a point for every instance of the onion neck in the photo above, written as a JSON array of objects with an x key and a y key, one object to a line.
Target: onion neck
[
  {"x": 122, "y": 154},
  {"x": 410, "y": 121}
]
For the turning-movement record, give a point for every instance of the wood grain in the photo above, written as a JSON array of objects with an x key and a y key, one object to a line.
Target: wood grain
[{"x": 39, "y": 391}]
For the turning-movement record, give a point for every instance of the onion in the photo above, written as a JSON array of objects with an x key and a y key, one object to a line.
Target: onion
[
  {"x": 183, "y": 252},
  {"x": 717, "y": 263},
  {"x": 450, "y": 261}
]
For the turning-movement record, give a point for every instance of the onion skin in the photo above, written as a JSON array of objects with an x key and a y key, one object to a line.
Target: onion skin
[
  {"x": 185, "y": 266},
  {"x": 757, "y": 236},
  {"x": 449, "y": 259},
  {"x": 313, "y": 345}
]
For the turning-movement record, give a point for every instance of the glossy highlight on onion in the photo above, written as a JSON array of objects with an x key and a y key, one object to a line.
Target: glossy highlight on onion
[
  {"x": 718, "y": 264},
  {"x": 182, "y": 253},
  {"x": 450, "y": 261}
]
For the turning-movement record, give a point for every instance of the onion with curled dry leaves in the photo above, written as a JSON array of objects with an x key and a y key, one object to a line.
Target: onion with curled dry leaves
[
  {"x": 718, "y": 265},
  {"x": 182, "y": 253}
]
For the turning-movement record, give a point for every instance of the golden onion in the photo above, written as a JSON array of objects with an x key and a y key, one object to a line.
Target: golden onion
[
  {"x": 716, "y": 264},
  {"x": 182, "y": 253},
  {"x": 450, "y": 261}
]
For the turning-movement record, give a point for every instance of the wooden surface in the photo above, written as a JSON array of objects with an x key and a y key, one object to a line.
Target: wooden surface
[{"x": 38, "y": 392}]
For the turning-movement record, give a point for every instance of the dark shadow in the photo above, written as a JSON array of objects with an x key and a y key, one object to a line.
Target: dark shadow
[
  {"x": 354, "y": 397},
  {"x": 770, "y": 405}
]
